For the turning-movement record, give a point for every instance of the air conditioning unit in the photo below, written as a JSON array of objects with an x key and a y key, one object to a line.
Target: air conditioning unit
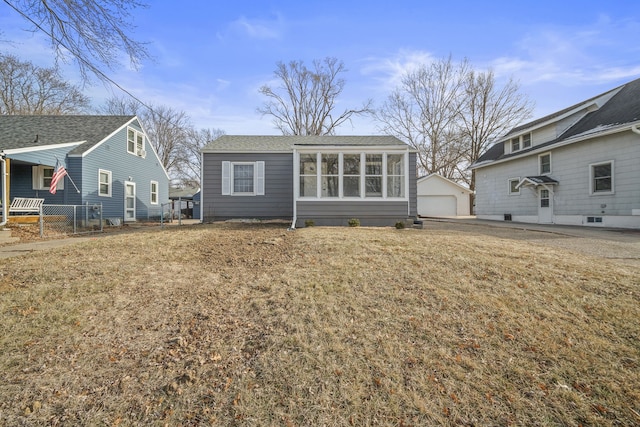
[{"x": 142, "y": 153}]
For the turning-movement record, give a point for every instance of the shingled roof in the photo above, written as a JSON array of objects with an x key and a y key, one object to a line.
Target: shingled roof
[
  {"x": 34, "y": 131},
  {"x": 282, "y": 143},
  {"x": 623, "y": 108}
]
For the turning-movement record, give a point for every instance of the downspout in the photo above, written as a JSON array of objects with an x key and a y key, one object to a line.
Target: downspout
[
  {"x": 635, "y": 129},
  {"x": 201, "y": 187},
  {"x": 3, "y": 176},
  {"x": 295, "y": 185}
]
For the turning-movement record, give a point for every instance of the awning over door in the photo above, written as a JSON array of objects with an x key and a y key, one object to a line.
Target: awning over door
[{"x": 534, "y": 181}]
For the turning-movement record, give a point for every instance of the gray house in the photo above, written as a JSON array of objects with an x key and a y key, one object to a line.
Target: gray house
[
  {"x": 579, "y": 166},
  {"x": 109, "y": 162},
  {"x": 324, "y": 179}
]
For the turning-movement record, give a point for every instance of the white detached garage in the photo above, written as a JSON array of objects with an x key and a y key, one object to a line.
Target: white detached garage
[{"x": 439, "y": 196}]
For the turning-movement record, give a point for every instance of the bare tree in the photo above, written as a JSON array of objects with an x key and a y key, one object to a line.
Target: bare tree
[
  {"x": 424, "y": 110},
  {"x": 166, "y": 128},
  {"x": 94, "y": 33},
  {"x": 28, "y": 89},
  {"x": 191, "y": 165},
  {"x": 489, "y": 112},
  {"x": 120, "y": 106},
  {"x": 305, "y": 102}
]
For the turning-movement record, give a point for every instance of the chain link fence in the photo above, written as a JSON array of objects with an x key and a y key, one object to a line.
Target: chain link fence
[
  {"x": 63, "y": 220},
  {"x": 59, "y": 220}
]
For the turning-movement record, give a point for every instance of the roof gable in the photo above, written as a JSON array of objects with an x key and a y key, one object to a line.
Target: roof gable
[
  {"x": 617, "y": 108},
  {"x": 447, "y": 181},
  {"x": 31, "y": 132}
]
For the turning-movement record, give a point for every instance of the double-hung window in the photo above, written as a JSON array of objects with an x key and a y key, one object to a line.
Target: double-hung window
[
  {"x": 520, "y": 142},
  {"x": 515, "y": 144},
  {"x": 513, "y": 186},
  {"x": 601, "y": 175},
  {"x": 135, "y": 142},
  {"x": 104, "y": 183},
  {"x": 243, "y": 178},
  {"x": 41, "y": 178},
  {"x": 154, "y": 192},
  {"x": 545, "y": 163}
]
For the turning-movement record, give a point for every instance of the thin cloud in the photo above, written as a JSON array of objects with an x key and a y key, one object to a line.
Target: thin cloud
[
  {"x": 259, "y": 28},
  {"x": 572, "y": 55},
  {"x": 388, "y": 72}
]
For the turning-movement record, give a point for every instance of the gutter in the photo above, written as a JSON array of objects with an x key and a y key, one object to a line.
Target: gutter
[
  {"x": 635, "y": 129},
  {"x": 3, "y": 176}
]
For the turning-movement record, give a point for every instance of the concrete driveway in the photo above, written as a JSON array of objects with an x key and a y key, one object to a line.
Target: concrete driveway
[{"x": 619, "y": 245}]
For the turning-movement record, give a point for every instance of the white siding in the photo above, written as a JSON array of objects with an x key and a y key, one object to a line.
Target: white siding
[{"x": 570, "y": 167}]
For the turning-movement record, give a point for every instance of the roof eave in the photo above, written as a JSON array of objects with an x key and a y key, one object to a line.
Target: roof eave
[{"x": 568, "y": 141}]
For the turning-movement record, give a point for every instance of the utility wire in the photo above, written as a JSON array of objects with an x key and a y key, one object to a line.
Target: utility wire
[{"x": 78, "y": 57}]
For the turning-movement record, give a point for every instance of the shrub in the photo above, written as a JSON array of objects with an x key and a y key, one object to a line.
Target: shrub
[
  {"x": 354, "y": 222},
  {"x": 309, "y": 223},
  {"x": 400, "y": 225}
]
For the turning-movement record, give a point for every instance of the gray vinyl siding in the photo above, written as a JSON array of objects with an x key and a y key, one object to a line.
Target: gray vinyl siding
[
  {"x": 492, "y": 188},
  {"x": 338, "y": 212},
  {"x": 276, "y": 203},
  {"x": 570, "y": 167},
  {"x": 413, "y": 185},
  {"x": 573, "y": 193}
]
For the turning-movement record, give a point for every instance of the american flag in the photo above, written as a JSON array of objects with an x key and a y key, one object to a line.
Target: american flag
[{"x": 58, "y": 173}]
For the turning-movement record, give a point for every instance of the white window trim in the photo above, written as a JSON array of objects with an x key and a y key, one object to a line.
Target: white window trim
[
  {"x": 139, "y": 153},
  {"x": 151, "y": 192},
  {"x": 513, "y": 193},
  {"x": 37, "y": 178},
  {"x": 258, "y": 178},
  {"x": 540, "y": 163},
  {"x": 100, "y": 172},
  {"x": 592, "y": 192},
  {"x": 363, "y": 175},
  {"x": 520, "y": 141}
]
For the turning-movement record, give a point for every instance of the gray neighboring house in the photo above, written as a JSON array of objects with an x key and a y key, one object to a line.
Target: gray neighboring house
[
  {"x": 324, "y": 179},
  {"x": 108, "y": 158},
  {"x": 579, "y": 166}
]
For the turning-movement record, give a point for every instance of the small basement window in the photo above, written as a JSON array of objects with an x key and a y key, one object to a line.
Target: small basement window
[{"x": 594, "y": 219}]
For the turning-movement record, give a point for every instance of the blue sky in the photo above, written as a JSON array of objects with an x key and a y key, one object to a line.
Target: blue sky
[{"x": 211, "y": 57}]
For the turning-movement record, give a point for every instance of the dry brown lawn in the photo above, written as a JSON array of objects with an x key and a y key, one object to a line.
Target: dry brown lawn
[{"x": 232, "y": 324}]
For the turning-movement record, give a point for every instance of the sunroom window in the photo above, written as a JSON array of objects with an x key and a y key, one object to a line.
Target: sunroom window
[
  {"x": 352, "y": 175},
  {"x": 395, "y": 175},
  {"x": 330, "y": 175},
  {"x": 308, "y": 175},
  {"x": 373, "y": 175}
]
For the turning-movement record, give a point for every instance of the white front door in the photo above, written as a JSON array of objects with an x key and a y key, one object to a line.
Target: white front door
[
  {"x": 129, "y": 201},
  {"x": 545, "y": 205}
]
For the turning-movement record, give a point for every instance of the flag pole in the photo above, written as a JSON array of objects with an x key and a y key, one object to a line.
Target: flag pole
[{"x": 68, "y": 176}]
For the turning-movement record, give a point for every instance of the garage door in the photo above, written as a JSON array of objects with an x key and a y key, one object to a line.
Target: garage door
[{"x": 437, "y": 206}]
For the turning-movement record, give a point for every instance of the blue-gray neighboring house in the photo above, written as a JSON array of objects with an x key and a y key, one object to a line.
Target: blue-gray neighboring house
[
  {"x": 109, "y": 161},
  {"x": 327, "y": 180}
]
